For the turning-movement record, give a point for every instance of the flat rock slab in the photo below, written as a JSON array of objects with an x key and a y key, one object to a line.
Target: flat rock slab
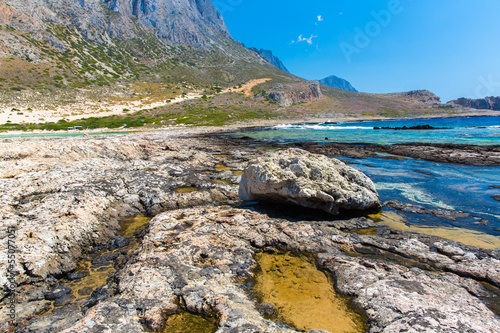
[
  {"x": 294, "y": 176},
  {"x": 201, "y": 257}
]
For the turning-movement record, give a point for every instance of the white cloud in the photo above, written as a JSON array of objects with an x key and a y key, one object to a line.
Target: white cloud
[
  {"x": 303, "y": 39},
  {"x": 320, "y": 18}
]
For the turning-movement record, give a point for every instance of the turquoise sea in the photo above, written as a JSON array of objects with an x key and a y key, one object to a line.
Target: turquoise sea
[
  {"x": 470, "y": 130},
  {"x": 432, "y": 185}
]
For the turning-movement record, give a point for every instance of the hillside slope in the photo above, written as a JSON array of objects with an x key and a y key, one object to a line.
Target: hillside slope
[{"x": 59, "y": 52}]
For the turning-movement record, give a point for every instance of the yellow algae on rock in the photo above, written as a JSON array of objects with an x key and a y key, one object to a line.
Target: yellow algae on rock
[
  {"x": 222, "y": 167},
  {"x": 186, "y": 189},
  {"x": 465, "y": 236},
  {"x": 130, "y": 225},
  {"x": 303, "y": 296},
  {"x": 185, "y": 322}
]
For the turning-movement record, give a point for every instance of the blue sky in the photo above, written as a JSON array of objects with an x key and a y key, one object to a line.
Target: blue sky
[{"x": 450, "y": 47}]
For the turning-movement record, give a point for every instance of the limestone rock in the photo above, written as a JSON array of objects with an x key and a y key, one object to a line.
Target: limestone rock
[
  {"x": 289, "y": 94},
  {"x": 193, "y": 22},
  {"x": 487, "y": 103},
  {"x": 297, "y": 177},
  {"x": 203, "y": 255}
]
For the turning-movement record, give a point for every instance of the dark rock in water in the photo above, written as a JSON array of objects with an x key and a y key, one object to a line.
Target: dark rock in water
[
  {"x": 484, "y": 222},
  {"x": 105, "y": 258},
  {"x": 414, "y": 209},
  {"x": 57, "y": 292},
  {"x": 118, "y": 242},
  {"x": 424, "y": 172},
  {"x": 496, "y": 197},
  {"x": 296, "y": 177},
  {"x": 99, "y": 295},
  {"x": 64, "y": 300},
  {"x": 493, "y": 186},
  {"x": 417, "y": 127},
  {"x": 76, "y": 276},
  {"x": 267, "y": 309},
  {"x": 436, "y": 152}
]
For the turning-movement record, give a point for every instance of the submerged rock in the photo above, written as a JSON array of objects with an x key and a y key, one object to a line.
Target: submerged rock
[
  {"x": 297, "y": 177},
  {"x": 415, "y": 209}
]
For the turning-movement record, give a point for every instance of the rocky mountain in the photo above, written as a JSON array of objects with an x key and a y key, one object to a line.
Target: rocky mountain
[
  {"x": 192, "y": 22},
  {"x": 487, "y": 103},
  {"x": 73, "y": 50},
  {"x": 271, "y": 58},
  {"x": 421, "y": 96},
  {"x": 337, "y": 82},
  {"x": 289, "y": 94}
]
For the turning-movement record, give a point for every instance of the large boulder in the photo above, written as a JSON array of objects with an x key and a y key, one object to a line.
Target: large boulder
[{"x": 298, "y": 177}]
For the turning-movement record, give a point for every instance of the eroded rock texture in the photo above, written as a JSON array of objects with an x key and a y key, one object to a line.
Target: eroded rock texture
[
  {"x": 309, "y": 180},
  {"x": 203, "y": 255},
  {"x": 288, "y": 94}
]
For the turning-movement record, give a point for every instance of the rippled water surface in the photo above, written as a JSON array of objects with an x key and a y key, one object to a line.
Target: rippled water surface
[
  {"x": 470, "y": 130},
  {"x": 432, "y": 185}
]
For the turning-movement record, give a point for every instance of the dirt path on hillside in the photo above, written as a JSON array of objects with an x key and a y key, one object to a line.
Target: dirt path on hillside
[
  {"x": 103, "y": 109},
  {"x": 247, "y": 87}
]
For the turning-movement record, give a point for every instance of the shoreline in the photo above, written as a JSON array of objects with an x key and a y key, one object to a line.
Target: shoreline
[
  {"x": 66, "y": 197},
  {"x": 249, "y": 125}
]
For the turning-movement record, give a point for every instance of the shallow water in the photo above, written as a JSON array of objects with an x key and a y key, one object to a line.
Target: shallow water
[
  {"x": 302, "y": 296},
  {"x": 185, "y": 322},
  {"x": 438, "y": 186},
  {"x": 98, "y": 274},
  {"x": 432, "y": 185},
  {"x": 466, "y": 236}
]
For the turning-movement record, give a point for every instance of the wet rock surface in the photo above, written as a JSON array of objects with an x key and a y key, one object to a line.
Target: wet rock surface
[
  {"x": 65, "y": 198},
  {"x": 441, "y": 153},
  {"x": 288, "y": 94},
  {"x": 308, "y": 180},
  {"x": 415, "y": 209},
  {"x": 198, "y": 260}
]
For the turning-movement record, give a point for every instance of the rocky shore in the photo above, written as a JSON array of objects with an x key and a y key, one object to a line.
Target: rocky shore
[
  {"x": 65, "y": 197},
  {"x": 441, "y": 153}
]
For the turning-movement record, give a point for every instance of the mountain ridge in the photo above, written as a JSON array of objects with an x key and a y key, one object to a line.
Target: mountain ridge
[{"x": 271, "y": 58}]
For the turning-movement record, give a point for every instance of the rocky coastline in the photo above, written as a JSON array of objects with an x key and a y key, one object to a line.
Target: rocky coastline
[
  {"x": 66, "y": 197},
  {"x": 433, "y": 152}
]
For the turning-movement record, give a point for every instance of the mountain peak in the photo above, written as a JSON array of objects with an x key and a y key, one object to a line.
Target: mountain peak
[{"x": 337, "y": 82}]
